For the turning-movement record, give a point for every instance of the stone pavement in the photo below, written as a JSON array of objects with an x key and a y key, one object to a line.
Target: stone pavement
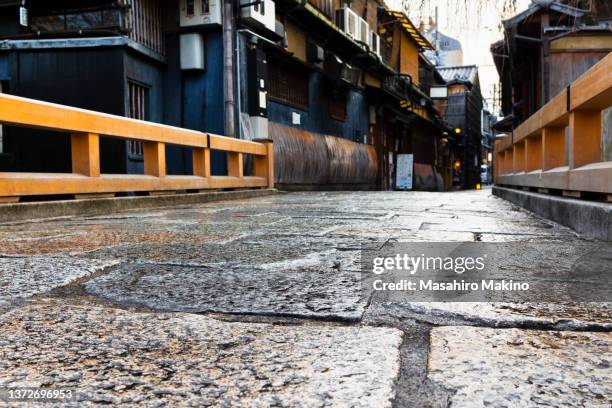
[{"x": 258, "y": 303}]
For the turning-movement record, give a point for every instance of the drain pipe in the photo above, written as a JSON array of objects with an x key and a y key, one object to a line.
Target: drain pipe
[{"x": 228, "y": 70}]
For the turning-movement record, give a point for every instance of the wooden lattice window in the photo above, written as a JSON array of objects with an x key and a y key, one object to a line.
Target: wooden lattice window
[
  {"x": 138, "y": 97},
  {"x": 146, "y": 22},
  {"x": 288, "y": 83}
]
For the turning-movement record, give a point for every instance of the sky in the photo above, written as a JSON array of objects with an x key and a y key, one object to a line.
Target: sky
[{"x": 475, "y": 23}]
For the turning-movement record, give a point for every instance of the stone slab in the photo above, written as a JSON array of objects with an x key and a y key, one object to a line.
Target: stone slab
[
  {"x": 117, "y": 357},
  {"x": 521, "y": 368}
]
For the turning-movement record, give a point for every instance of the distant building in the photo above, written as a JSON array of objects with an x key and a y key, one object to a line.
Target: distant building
[
  {"x": 462, "y": 110},
  {"x": 448, "y": 51}
]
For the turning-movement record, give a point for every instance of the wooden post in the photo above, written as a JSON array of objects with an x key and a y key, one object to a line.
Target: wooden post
[
  {"x": 154, "y": 159},
  {"x": 533, "y": 153},
  {"x": 85, "y": 149},
  {"x": 553, "y": 147},
  {"x": 585, "y": 138},
  {"x": 508, "y": 161},
  {"x": 264, "y": 165},
  {"x": 201, "y": 162},
  {"x": 500, "y": 164},
  {"x": 519, "y": 157},
  {"x": 234, "y": 164}
]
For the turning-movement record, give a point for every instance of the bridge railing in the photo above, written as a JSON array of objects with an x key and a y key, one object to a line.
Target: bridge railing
[
  {"x": 86, "y": 127},
  {"x": 539, "y": 155}
]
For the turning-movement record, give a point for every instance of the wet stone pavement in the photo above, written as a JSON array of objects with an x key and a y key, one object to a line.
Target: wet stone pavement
[{"x": 258, "y": 303}]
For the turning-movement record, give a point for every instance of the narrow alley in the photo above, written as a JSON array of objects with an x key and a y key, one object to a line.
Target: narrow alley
[{"x": 257, "y": 302}]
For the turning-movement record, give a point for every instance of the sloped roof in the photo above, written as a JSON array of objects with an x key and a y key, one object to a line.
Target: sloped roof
[
  {"x": 411, "y": 29},
  {"x": 538, "y": 5},
  {"x": 463, "y": 74}
]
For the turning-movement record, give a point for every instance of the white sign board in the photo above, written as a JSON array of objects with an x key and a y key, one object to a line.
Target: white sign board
[
  {"x": 23, "y": 16},
  {"x": 405, "y": 169},
  {"x": 438, "y": 92}
]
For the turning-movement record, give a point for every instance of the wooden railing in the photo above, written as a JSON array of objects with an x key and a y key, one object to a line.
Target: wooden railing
[
  {"x": 86, "y": 127},
  {"x": 539, "y": 156}
]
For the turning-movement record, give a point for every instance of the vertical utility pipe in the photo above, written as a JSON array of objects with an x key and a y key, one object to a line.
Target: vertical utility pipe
[{"x": 228, "y": 69}]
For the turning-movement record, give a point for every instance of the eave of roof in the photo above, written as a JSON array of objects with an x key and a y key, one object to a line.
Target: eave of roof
[
  {"x": 465, "y": 74},
  {"x": 411, "y": 29},
  {"x": 538, "y": 5}
]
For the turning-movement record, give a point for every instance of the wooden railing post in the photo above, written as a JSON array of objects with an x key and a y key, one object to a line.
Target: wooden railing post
[
  {"x": 85, "y": 152},
  {"x": 154, "y": 159},
  {"x": 264, "y": 165},
  {"x": 509, "y": 161},
  {"x": 553, "y": 147},
  {"x": 533, "y": 153},
  {"x": 519, "y": 157},
  {"x": 585, "y": 137},
  {"x": 234, "y": 164},
  {"x": 201, "y": 162}
]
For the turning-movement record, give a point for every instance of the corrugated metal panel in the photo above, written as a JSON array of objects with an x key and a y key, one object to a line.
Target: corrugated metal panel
[{"x": 306, "y": 158}]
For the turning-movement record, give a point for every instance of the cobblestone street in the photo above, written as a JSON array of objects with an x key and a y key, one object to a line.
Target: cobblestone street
[{"x": 258, "y": 303}]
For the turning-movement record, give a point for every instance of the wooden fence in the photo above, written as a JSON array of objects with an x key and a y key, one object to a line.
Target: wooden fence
[
  {"x": 560, "y": 146},
  {"x": 86, "y": 127}
]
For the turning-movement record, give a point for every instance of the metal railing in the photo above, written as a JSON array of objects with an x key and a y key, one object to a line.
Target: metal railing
[
  {"x": 86, "y": 127},
  {"x": 560, "y": 146}
]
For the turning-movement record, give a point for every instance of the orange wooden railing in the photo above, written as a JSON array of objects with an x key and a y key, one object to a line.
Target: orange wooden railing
[
  {"x": 534, "y": 155},
  {"x": 86, "y": 127}
]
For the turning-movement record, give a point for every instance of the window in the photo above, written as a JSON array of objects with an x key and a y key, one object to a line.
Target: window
[
  {"x": 205, "y": 6},
  {"x": 337, "y": 105},
  {"x": 138, "y": 96},
  {"x": 190, "y": 7},
  {"x": 288, "y": 83}
]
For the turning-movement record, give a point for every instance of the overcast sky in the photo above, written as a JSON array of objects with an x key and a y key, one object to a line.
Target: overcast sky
[{"x": 475, "y": 23}]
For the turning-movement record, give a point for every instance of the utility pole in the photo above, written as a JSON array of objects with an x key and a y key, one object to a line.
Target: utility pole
[{"x": 228, "y": 69}]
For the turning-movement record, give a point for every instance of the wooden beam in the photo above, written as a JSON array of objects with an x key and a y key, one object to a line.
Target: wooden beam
[
  {"x": 85, "y": 151},
  {"x": 154, "y": 159},
  {"x": 234, "y": 164},
  {"x": 229, "y": 144},
  {"x": 585, "y": 138},
  {"x": 201, "y": 162},
  {"x": 264, "y": 165},
  {"x": 14, "y": 185},
  {"x": 18, "y": 111},
  {"x": 593, "y": 90}
]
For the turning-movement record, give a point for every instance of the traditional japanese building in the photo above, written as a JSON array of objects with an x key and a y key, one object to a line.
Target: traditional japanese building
[
  {"x": 462, "y": 110},
  {"x": 547, "y": 47},
  {"x": 336, "y": 86}
]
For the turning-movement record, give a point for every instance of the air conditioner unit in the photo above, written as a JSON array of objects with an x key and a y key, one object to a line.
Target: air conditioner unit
[
  {"x": 348, "y": 21},
  {"x": 200, "y": 13},
  {"x": 315, "y": 54},
  {"x": 259, "y": 15},
  {"x": 364, "y": 31},
  {"x": 350, "y": 74},
  {"x": 375, "y": 43}
]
